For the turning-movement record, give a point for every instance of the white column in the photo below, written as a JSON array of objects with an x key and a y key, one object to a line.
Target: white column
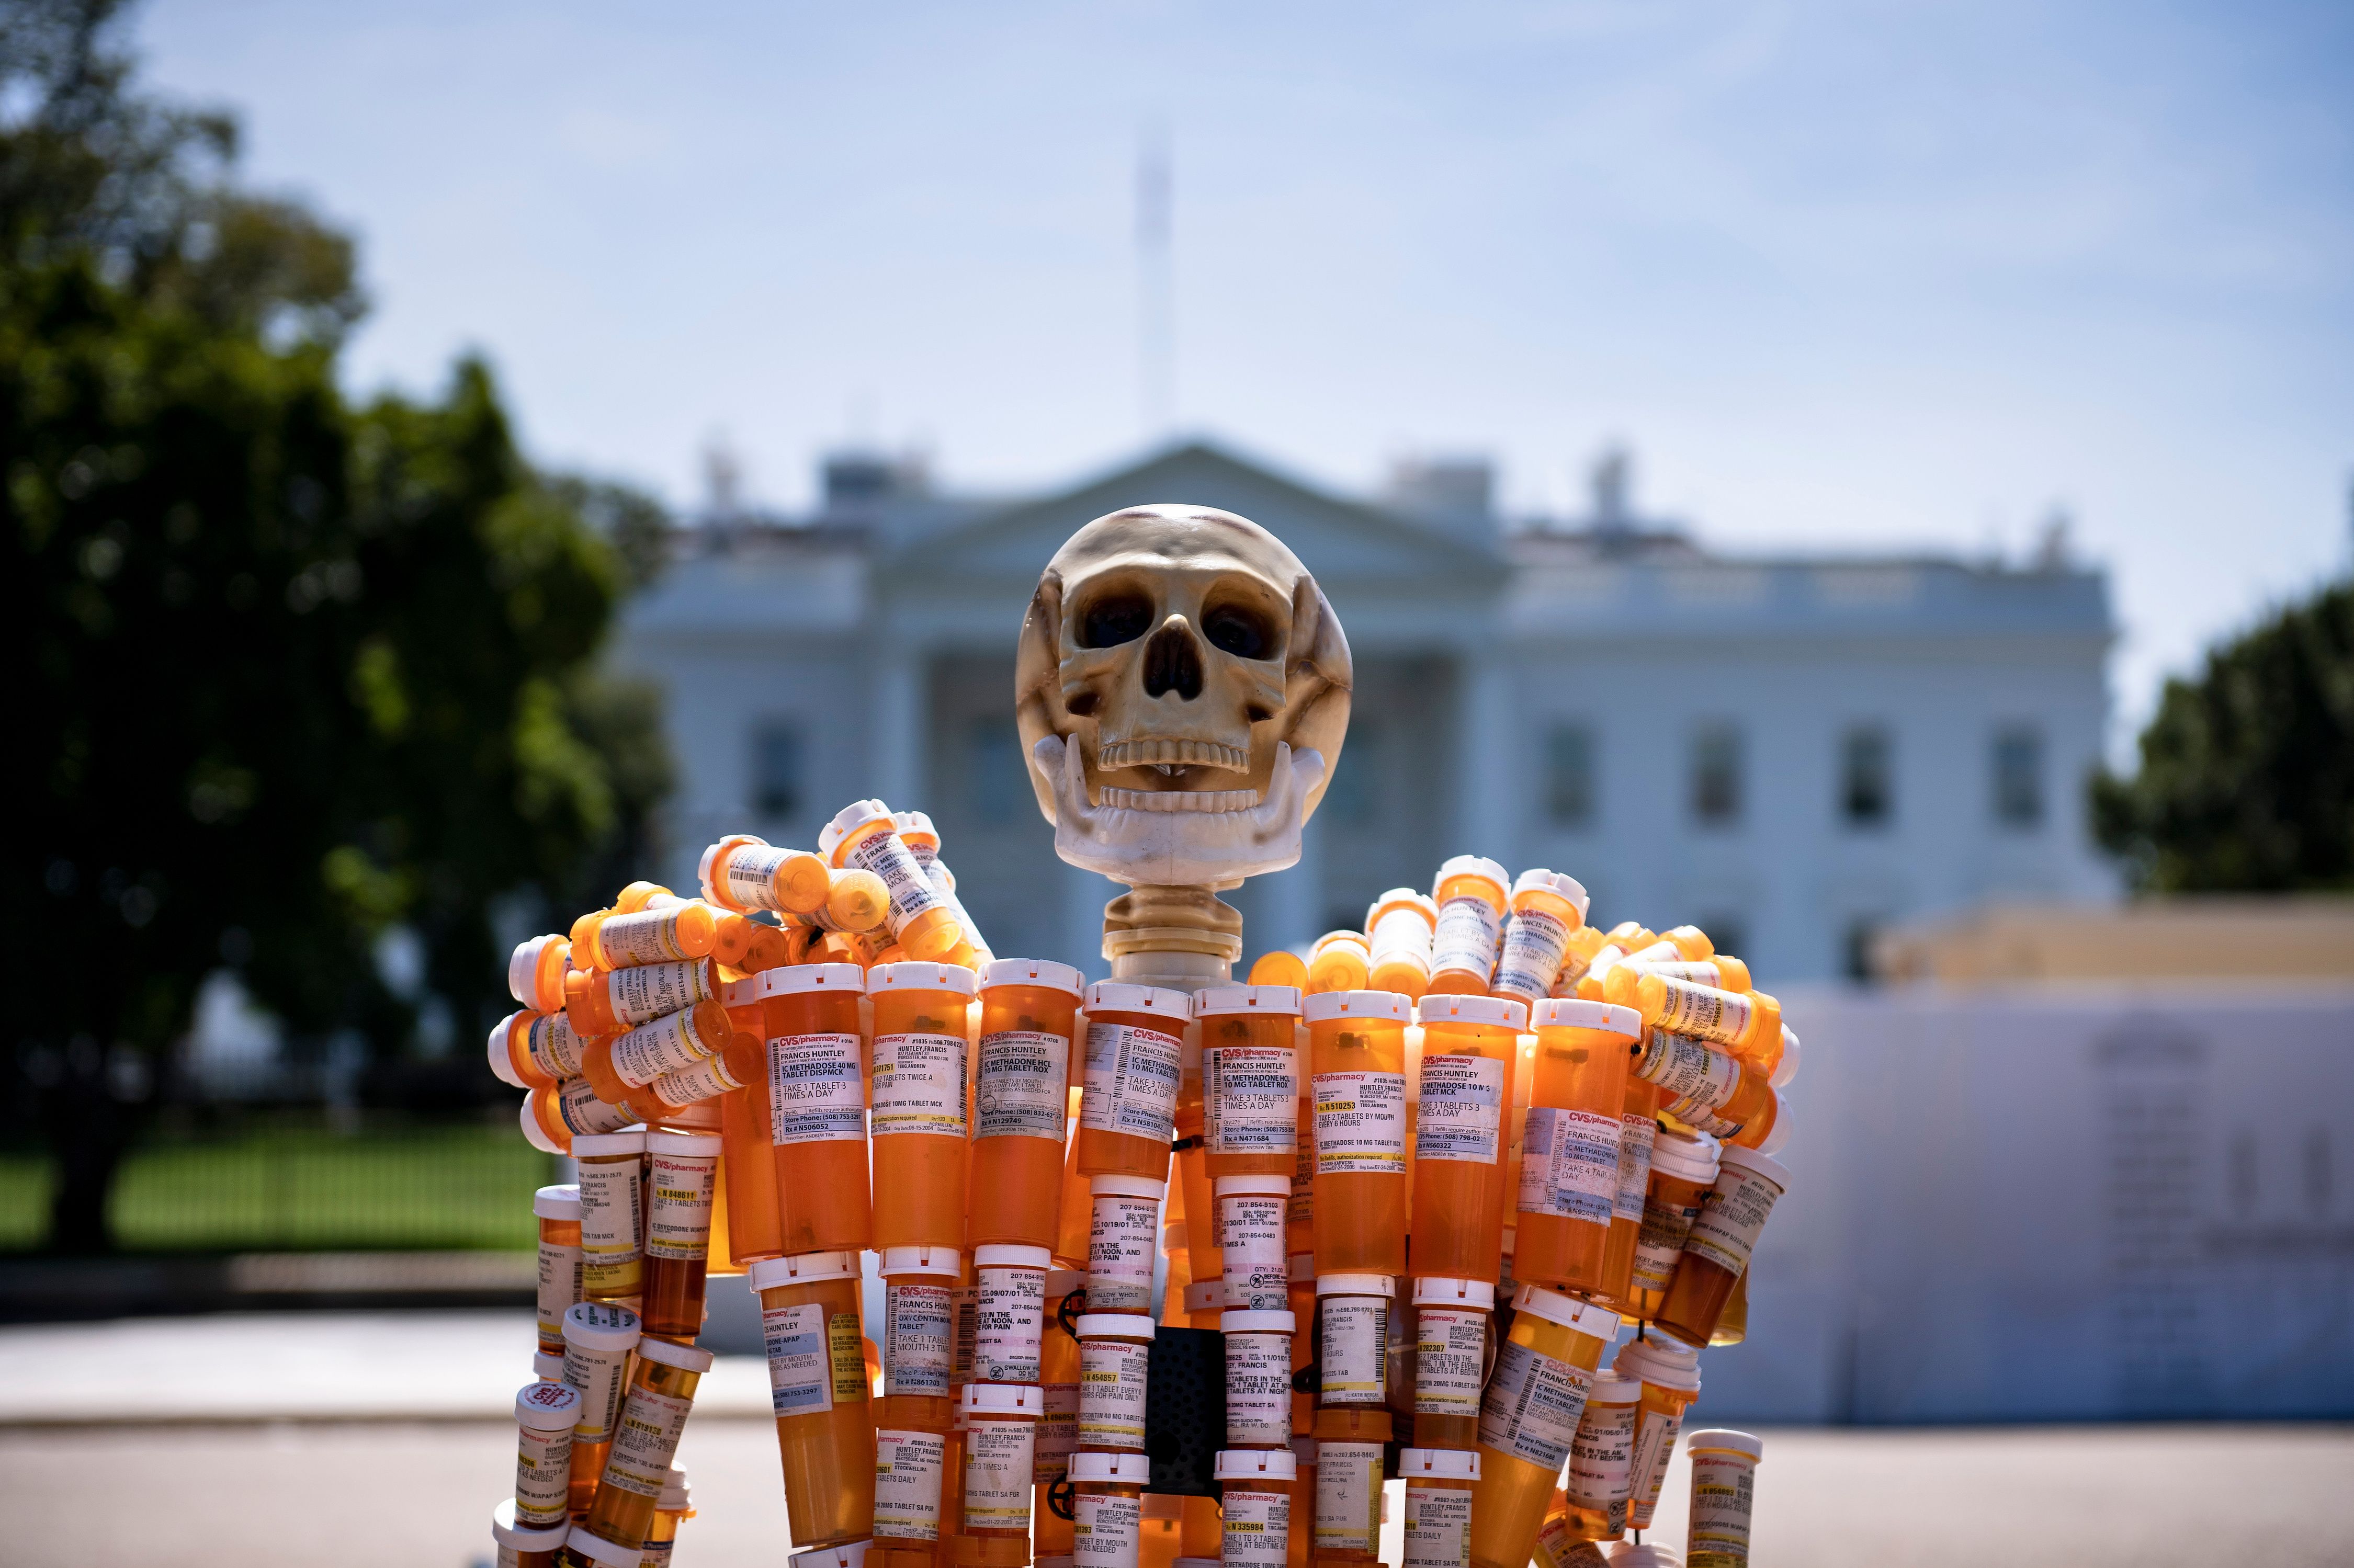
[
  {"x": 1489, "y": 761},
  {"x": 895, "y": 741}
]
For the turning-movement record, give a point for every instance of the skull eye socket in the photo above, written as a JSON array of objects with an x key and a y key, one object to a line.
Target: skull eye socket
[
  {"x": 1239, "y": 631},
  {"x": 1115, "y": 619}
]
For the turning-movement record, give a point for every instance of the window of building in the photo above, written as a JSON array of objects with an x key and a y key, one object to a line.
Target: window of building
[
  {"x": 778, "y": 786},
  {"x": 1569, "y": 775},
  {"x": 1867, "y": 776},
  {"x": 999, "y": 781},
  {"x": 1353, "y": 799},
  {"x": 1716, "y": 775},
  {"x": 2019, "y": 777},
  {"x": 1857, "y": 943}
]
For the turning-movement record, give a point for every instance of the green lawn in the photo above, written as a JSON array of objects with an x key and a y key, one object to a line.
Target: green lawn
[{"x": 306, "y": 1189}]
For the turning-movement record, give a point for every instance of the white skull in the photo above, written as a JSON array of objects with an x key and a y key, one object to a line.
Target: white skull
[{"x": 1182, "y": 689}]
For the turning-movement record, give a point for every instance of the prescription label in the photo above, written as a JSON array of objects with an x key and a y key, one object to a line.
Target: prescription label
[
  {"x": 642, "y": 937},
  {"x": 646, "y": 1442},
  {"x": 609, "y": 1207},
  {"x": 1057, "y": 1434},
  {"x": 1722, "y": 1497},
  {"x": 918, "y": 1085},
  {"x": 911, "y": 891},
  {"x": 1360, "y": 1124},
  {"x": 1532, "y": 1406},
  {"x": 847, "y": 1347},
  {"x": 752, "y": 874},
  {"x": 1105, "y": 1530},
  {"x": 1348, "y": 1497},
  {"x": 1462, "y": 1108},
  {"x": 690, "y": 1085},
  {"x": 997, "y": 1464},
  {"x": 644, "y": 993},
  {"x": 1111, "y": 1394},
  {"x": 1601, "y": 1461},
  {"x": 583, "y": 1114},
  {"x": 1687, "y": 1069},
  {"x": 1451, "y": 1352},
  {"x": 1704, "y": 1011},
  {"x": 678, "y": 1206},
  {"x": 1635, "y": 1136},
  {"x": 1250, "y": 1233},
  {"x": 560, "y": 1286},
  {"x": 1354, "y": 1354},
  {"x": 1257, "y": 1530},
  {"x": 1661, "y": 1242},
  {"x": 1251, "y": 1096},
  {"x": 543, "y": 1478},
  {"x": 966, "y": 1305},
  {"x": 1302, "y": 1212},
  {"x": 553, "y": 1045},
  {"x": 1023, "y": 1086},
  {"x": 1131, "y": 1081},
  {"x": 918, "y": 1339},
  {"x": 801, "y": 1371},
  {"x": 1557, "y": 1549},
  {"x": 907, "y": 1470},
  {"x": 1437, "y": 1528},
  {"x": 666, "y": 1045},
  {"x": 1466, "y": 936},
  {"x": 817, "y": 1089},
  {"x": 598, "y": 1375},
  {"x": 1258, "y": 1388},
  {"x": 1532, "y": 957},
  {"x": 1655, "y": 1445},
  {"x": 1122, "y": 1235},
  {"x": 1569, "y": 1165},
  {"x": 1725, "y": 1230},
  {"x": 1009, "y": 1316}
]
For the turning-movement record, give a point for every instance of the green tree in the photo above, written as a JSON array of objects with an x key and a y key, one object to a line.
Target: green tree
[
  {"x": 290, "y": 673},
  {"x": 2247, "y": 773}
]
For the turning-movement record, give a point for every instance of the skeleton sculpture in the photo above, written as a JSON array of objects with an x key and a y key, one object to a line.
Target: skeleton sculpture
[{"x": 1182, "y": 689}]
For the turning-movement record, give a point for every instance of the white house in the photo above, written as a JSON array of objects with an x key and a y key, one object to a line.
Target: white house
[{"x": 1789, "y": 750}]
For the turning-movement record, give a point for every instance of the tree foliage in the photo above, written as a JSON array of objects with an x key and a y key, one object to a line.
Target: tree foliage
[
  {"x": 2247, "y": 773},
  {"x": 289, "y": 673}
]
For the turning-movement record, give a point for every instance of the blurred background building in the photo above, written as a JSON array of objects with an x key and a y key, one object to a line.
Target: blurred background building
[{"x": 1793, "y": 751}]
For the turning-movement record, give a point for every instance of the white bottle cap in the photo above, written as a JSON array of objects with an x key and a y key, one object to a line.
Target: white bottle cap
[
  {"x": 1690, "y": 1159},
  {"x": 1495, "y": 1010},
  {"x": 506, "y": 1532},
  {"x": 1559, "y": 884},
  {"x": 906, "y": 822},
  {"x": 685, "y": 1143},
  {"x": 1222, "y": 1000},
  {"x": 1250, "y": 1186},
  {"x": 1577, "y": 1317},
  {"x": 1327, "y": 1005},
  {"x": 547, "y": 1407},
  {"x": 793, "y": 980},
  {"x": 547, "y": 1368},
  {"x": 1112, "y": 996},
  {"x": 1034, "y": 972},
  {"x": 1240, "y": 1321},
  {"x": 1659, "y": 1361},
  {"x": 607, "y": 1145},
  {"x": 713, "y": 891},
  {"x": 1005, "y": 1254},
  {"x": 1400, "y": 898},
  {"x": 1763, "y": 1164},
  {"x": 562, "y": 1202},
  {"x": 1355, "y": 1285},
  {"x": 801, "y": 1269},
  {"x": 686, "y": 1358},
  {"x": 954, "y": 979},
  {"x": 522, "y": 968},
  {"x": 675, "y": 1498},
  {"x": 502, "y": 1059},
  {"x": 848, "y": 820},
  {"x": 940, "y": 1262},
  {"x": 1113, "y": 1326},
  {"x": 1637, "y": 1554},
  {"x": 1438, "y": 1465},
  {"x": 1118, "y": 1469},
  {"x": 1569, "y": 1012},
  {"x": 1725, "y": 1440},
  {"x": 601, "y": 1326},
  {"x": 843, "y": 1554},
  {"x": 1779, "y": 1133},
  {"x": 1127, "y": 1187},
  {"x": 1257, "y": 1465},
  {"x": 1472, "y": 865},
  {"x": 1788, "y": 1067},
  {"x": 1476, "y": 1294}
]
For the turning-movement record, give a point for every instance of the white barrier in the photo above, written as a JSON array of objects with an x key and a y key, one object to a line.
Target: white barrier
[{"x": 2058, "y": 1205}]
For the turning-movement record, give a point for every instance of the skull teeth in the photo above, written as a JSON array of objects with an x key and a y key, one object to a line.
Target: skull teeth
[
  {"x": 1211, "y": 800},
  {"x": 1117, "y": 753}
]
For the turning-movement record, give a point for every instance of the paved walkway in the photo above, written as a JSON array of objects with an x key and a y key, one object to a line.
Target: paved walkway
[{"x": 367, "y": 1439}]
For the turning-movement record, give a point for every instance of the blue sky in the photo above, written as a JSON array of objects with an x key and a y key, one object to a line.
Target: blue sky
[{"x": 1842, "y": 275}]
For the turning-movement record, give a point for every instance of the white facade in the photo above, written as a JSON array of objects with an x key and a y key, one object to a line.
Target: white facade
[{"x": 1788, "y": 751}]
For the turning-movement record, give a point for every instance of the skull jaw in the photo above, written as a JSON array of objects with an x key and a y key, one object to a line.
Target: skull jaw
[{"x": 1179, "y": 848}]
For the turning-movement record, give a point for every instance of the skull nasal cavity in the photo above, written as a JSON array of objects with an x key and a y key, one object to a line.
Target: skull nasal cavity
[{"x": 1171, "y": 664}]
